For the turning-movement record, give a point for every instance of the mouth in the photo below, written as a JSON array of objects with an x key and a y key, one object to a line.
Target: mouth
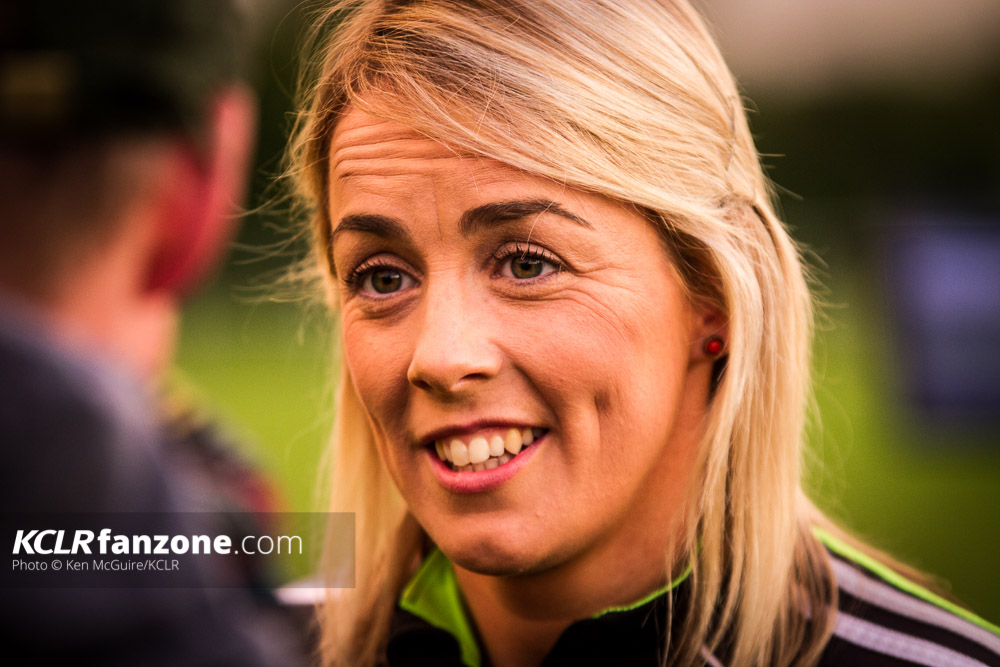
[{"x": 485, "y": 449}]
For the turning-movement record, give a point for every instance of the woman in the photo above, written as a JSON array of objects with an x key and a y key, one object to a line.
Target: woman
[{"x": 575, "y": 338}]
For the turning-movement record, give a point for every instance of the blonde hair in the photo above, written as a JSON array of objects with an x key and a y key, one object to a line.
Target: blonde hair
[{"x": 632, "y": 100}]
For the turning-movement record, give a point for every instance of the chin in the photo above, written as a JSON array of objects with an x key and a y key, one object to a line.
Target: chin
[{"x": 492, "y": 555}]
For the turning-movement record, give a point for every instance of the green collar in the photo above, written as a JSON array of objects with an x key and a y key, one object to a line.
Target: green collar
[
  {"x": 892, "y": 577},
  {"x": 433, "y": 595}
]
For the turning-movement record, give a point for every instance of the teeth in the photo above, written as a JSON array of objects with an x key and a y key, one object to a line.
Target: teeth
[
  {"x": 479, "y": 450},
  {"x": 482, "y": 454},
  {"x": 513, "y": 441},
  {"x": 459, "y": 453},
  {"x": 496, "y": 444}
]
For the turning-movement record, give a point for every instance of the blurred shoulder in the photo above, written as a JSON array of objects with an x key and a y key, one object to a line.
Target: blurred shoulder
[
  {"x": 883, "y": 618},
  {"x": 78, "y": 430}
]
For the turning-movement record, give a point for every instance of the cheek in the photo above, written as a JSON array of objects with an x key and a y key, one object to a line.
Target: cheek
[
  {"x": 614, "y": 346},
  {"x": 613, "y": 376},
  {"x": 377, "y": 362}
]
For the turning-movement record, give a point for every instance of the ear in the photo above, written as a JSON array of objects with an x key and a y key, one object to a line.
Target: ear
[
  {"x": 205, "y": 188},
  {"x": 710, "y": 324}
]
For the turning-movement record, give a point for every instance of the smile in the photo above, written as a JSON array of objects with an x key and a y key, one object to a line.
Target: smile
[{"x": 486, "y": 449}]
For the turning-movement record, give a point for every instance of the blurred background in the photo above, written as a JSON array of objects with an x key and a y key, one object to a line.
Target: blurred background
[{"x": 879, "y": 126}]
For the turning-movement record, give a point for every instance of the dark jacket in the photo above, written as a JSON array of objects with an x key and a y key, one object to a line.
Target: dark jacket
[
  {"x": 79, "y": 435},
  {"x": 883, "y": 620}
]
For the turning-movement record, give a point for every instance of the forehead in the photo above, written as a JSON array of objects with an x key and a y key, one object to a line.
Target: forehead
[
  {"x": 388, "y": 169},
  {"x": 368, "y": 152},
  {"x": 360, "y": 138}
]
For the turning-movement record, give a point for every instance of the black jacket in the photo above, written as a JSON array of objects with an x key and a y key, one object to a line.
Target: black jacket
[{"x": 883, "y": 620}]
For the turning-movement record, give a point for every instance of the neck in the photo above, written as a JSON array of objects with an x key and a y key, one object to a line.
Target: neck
[
  {"x": 100, "y": 304},
  {"x": 137, "y": 331}
]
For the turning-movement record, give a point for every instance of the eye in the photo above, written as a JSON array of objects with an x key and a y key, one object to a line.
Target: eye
[
  {"x": 526, "y": 267},
  {"x": 385, "y": 281},
  {"x": 376, "y": 279},
  {"x": 526, "y": 262}
]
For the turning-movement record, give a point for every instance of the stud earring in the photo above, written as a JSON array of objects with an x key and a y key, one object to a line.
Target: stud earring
[{"x": 713, "y": 346}]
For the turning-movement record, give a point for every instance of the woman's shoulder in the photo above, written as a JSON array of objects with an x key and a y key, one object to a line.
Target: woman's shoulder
[{"x": 884, "y": 618}]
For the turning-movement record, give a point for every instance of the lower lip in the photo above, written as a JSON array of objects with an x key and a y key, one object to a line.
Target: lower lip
[{"x": 483, "y": 480}]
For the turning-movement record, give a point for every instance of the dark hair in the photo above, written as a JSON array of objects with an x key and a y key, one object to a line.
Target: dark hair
[
  {"x": 73, "y": 70},
  {"x": 83, "y": 88}
]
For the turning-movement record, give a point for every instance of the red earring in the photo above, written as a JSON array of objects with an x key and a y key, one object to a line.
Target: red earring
[{"x": 713, "y": 346}]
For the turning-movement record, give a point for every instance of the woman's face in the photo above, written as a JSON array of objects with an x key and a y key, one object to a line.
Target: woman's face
[{"x": 484, "y": 308}]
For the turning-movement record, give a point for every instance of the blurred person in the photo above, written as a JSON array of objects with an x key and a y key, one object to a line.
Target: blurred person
[
  {"x": 125, "y": 138},
  {"x": 575, "y": 350}
]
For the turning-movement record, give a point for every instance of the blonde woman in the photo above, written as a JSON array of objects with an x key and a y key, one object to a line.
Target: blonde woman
[{"x": 575, "y": 354}]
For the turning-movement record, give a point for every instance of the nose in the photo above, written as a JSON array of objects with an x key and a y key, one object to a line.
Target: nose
[{"x": 455, "y": 347}]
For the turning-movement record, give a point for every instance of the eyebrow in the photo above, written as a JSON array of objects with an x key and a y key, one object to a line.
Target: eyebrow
[
  {"x": 474, "y": 220},
  {"x": 367, "y": 223},
  {"x": 490, "y": 215}
]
